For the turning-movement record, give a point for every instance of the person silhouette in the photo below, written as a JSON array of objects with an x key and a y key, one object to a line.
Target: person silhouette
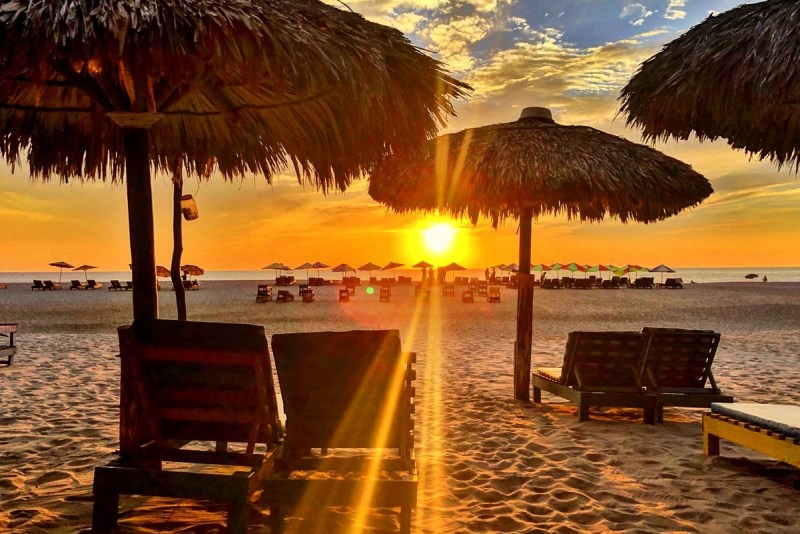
[{"x": 765, "y": 278}]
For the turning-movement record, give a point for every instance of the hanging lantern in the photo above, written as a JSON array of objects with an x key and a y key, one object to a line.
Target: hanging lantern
[{"x": 189, "y": 208}]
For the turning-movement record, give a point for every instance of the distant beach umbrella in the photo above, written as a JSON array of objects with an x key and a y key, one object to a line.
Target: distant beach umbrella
[
  {"x": 192, "y": 270},
  {"x": 162, "y": 271},
  {"x": 574, "y": 268},
  {"x": 61, "y": 266},
  {"x": 751, "y": 276},
  {"x": 422, "y": 265},
  {"x": 278, "y": 267},
  {"x": 660, "y": 269},
  {"x": 734, "y": 75},
  {"x": 392, "y": 265},
  {"x": 369, "y": 267},
  {"x": 84, "y": 268},
  {"x": 600, "y": 269},
  {"x": 453, "y": 267},
  {"x": 540, "y": 267},
  {"x": 510, "y": 268},
  {"x": 319, "y": 265},
  {"x": 343, "y": 268},
  {"x": 533, "y": 167},
  {"x": 228, "y": 87},
  {"x": 306, "y": 266}
]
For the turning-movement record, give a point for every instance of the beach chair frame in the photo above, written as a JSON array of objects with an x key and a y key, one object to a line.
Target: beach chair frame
[
  {"x": 750, "y": 435},
  {"x": 184, "y": 381},
  {"x": 263, "y": 293},
  {"x": 9, "y": 349},
  {"x": 600, "y": 369},
  {"x": 677, "y": 368},
  {"x": 337, "y": 389}
]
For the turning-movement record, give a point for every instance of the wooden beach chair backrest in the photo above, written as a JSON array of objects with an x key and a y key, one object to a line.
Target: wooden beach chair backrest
[
  {"x": 679, "y": 359},
  {"x": 346, "y": 390},
  {"x": 199, "y": 381},
  {"x": 603, "y": 360}
]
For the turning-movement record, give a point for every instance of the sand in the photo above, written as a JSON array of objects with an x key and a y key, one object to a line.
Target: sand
[{"x": 487, "y": 463}]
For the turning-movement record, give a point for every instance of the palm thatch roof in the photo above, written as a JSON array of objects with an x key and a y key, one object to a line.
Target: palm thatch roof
[
  {"x": 235, "y": 85},
  {"x": 735, "y": 76},
  {"x": 496, "y": 171}
]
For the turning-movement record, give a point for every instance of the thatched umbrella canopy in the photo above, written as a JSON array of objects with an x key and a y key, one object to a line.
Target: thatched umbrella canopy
[
  {"x": 735, "y": 75},
  {"x": 531, "y": 167},
  {"x": 91, "y": 87}
]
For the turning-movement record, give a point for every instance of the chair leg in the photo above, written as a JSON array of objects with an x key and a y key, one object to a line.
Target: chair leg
[
  {"x": 237, "y": 515},
  {"x": 583, "y": 410},
  {"x": 537, "y": 395},
  {"x": 405, "y": 520},
  {"x": 275, "y": 520},
  {"x": 106, "y": 503}
]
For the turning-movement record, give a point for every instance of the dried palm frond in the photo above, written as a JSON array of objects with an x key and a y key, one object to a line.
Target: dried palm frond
[
  {"x": 496, "y": 171},
  {"x": 237, "y": 85},
  {"x": 735, "y": 76}
]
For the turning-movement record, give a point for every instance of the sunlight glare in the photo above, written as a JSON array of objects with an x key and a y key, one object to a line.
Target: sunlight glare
[{"x": 439, "y": 237}]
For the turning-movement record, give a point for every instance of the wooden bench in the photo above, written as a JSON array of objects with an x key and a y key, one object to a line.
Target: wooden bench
[
  {"x": 7, "y": 349},
  {"x": 183, "y": 381}
]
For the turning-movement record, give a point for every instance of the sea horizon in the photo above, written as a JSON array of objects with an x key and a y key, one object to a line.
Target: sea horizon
[{"x": 688, "y": 274}]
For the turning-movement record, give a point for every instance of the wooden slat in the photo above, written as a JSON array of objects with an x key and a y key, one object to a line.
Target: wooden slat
[{"x": 199, "y": 355}]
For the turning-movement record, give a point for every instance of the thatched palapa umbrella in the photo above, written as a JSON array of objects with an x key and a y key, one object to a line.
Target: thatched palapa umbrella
[
  {"x": 736, "y": 76},
  {"x": 89, "y": 88},
  {"x": 531, "y": 167}
]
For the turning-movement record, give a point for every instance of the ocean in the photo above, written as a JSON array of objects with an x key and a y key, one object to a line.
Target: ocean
[{"x": 688, "y": 274}]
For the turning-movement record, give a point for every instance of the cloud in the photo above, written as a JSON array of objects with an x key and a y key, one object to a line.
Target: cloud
[
  {"x": 635, "y": 11},
  {"x": 672, "y": 12}
]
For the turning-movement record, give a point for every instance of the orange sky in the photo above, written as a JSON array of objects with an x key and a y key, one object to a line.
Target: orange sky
[{"x": 752, "y": 219}]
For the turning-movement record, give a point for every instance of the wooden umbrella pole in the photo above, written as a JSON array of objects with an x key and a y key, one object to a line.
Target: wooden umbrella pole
[
  {"x": 522, "y": 352},
  {"x": 140, "y": 223}
]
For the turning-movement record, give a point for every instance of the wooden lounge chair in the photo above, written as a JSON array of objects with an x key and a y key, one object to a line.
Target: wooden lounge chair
[
  {"x": 448, "y": 290},
  {"x": 76, "y": 284},
  {"x": 116, "y": 286},
  {"x": 264, "y": 293},
  {"x": 385, "y": 294},
  {"x": 184, "y": 381},
  {"x": 191, "y": 285},
  {"x": 7, "y": 348},
  {"x": 91, "y": 284},
  {"x": 284, "y": 296},
  {"x": 494, "y": 294},
  {"x": 350, "y": 391},
  {"x": 672, "y": 283},
  {"x": 599, "y": 369},
  {"x": 483, "y": 289},
  {"x": 37, "y": 285},
  {"x": 306, "y": 293},
  {"x": 771, "y": 429},
  {"x": 51, "y": 286},
  {"x": 677, "y": 367},
  {"x": 129, "y": 285},
  {"x": 344, "y": 295},
  {"x": 467, "y": 296},
  {"x": 645, "y": 282}
]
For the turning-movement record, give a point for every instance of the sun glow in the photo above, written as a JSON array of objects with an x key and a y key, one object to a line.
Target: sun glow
[{"x": 439, "y": 237}]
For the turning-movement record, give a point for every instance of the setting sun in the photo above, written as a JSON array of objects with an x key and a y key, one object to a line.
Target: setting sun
[{"x": 439, "y": 238}]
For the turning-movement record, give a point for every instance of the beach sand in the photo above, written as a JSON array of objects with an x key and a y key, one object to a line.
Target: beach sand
[{"x": 487, "y": 463}]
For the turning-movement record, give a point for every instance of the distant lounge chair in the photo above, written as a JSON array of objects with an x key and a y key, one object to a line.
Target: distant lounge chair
[
  {"x": 91, "y": 284},
  {"x": 116, "y": 286},
  {"x": 284, "y": 296},
  {"x": 183, "y": 381},
  {"x": 599, "y": 369},
  {"x": 483, "y": 289},
  {"x": 7, "y": 348},
  {"x": 129, "y": 285},
  {"x": 677, "y": 367},
  {"x": 50, "y": 285},
  {"x": 494, "y": 294},
  {"x": 191, "y": 285},
  {"x": 404, "y": 280},
  {"x": 771, "y": 429},
  {"x": 582, "y": 283},
  {"x": 37, "y": 285},
  {"x": 467, "y": 296},
  {"x": 610, "y": 284},
  {"x": 385, "y": 294},
  {"x": 645, "y": 282},
  {"x": 344, "y": 295},
  {"x": 76, "y": 284},
  {"x": 448, "y": 290},
  {"x": 3, "y": 285},
  {"x": 351, "y": 391},
  {"x": 264, "y": 293},
  {"x": 306, "y": 293},
  {"x": 672, "y": 283}
]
